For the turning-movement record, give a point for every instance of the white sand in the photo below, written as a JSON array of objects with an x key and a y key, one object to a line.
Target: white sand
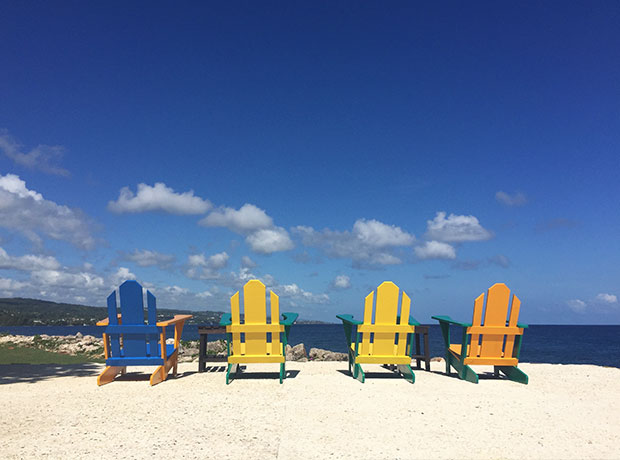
[{"x": 566, "y": 412}]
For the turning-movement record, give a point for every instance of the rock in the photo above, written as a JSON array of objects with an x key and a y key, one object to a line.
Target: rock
[
  {"x": 437, "y": 359},
  {"x": 79, "y": 335},
  {"x": 296, "y": 353},
  {"x": 318, "y": 354}
]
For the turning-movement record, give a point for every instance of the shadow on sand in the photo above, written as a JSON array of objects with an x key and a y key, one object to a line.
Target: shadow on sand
[{"x": 33, "y": 373}]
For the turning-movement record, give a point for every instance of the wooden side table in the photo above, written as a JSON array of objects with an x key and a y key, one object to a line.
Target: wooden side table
[
  {"x": 203, "y": 331},
  {"x": 418, "y": 356}
]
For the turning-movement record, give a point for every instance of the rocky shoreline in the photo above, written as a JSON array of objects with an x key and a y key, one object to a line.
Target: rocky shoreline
[{"x": 92, "y": 347}]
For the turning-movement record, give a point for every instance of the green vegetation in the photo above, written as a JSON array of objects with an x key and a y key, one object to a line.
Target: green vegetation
[
  {"x": 12, "y": 354},
  {"x": 33, "y": 312}
]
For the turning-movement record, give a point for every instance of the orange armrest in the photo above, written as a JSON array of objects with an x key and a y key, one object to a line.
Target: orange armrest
[
  {"x": 106, "y": 321},
  {"x": 177, "y": 319}
]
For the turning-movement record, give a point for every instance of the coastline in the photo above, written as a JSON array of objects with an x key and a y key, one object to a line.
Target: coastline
[{"x": 566, "y": 411}]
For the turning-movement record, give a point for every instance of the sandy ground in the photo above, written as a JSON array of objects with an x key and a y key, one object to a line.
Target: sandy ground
[{"x": 566, "y": 412}]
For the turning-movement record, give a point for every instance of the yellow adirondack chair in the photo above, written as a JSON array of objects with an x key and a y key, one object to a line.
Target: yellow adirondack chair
[
  {"x": 495, "y": 341},
  {"x": 247, "y": 340},
  {"x": 392, "y": 333}
]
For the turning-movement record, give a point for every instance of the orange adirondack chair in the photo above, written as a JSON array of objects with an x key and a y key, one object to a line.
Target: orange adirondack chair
[{"x": 495, "y": 341}]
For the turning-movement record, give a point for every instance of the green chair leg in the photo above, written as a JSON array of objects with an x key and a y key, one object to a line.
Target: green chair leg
[
  {"x": 463, "y": 370},
  {"x": 407, "y": 372},
  {"x": 282, "y": 372},
  {"x": 358, "y": 373},
  {"x": 232, "y": 369},
  {"x": 513, "y": 373}
]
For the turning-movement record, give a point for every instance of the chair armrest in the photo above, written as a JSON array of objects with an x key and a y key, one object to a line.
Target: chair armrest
[
  {"x": 177, "y": 319},
  {"x": 288, "y": 318},
  {"x": 226, "y": 319},
  {"x": 447, "y": 319},
  {"x": 106, "y": 321},
  {"x": 413, "y": 321},
  {"x": 349, "y": 319},
  {"x": 524, "y": 326}
]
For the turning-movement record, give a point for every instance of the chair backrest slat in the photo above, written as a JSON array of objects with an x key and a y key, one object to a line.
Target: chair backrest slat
[
  {"x": 115, "y": 343},
  {"x": 514, "y": 318},
  {"x": 132, "y": 312},
  {"x": 152, "y": 320},
  {"x": 474, "y": 346},
  {"x": 495, "y": 315},
  {"x": 255, "y": 312},
  {"x": 386, "y": 313}
]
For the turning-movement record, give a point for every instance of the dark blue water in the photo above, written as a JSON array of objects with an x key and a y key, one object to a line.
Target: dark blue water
[{"x": 598, "y": 345}]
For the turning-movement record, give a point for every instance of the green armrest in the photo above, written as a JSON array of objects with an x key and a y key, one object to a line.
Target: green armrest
[
  {"x": 412, "y": 321},
  {"x": 288, "y": 318},
  {"x": 349, "y": 319},
  {"x": 524, "y": 326},
  {"x": 447, "y": 319},
  {"x": 226, "y": 320}
]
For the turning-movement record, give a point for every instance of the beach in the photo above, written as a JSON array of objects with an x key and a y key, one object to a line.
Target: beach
[{"x": 565, "y": 412}]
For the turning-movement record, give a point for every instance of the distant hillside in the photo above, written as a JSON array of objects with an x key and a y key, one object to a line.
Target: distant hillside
[{"x": 33, "y": 312}]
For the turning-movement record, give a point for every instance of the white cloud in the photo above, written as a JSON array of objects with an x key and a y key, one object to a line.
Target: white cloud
[
  {"x": 246, "y": 262},
  {"x": 247, "y": 219},
  {"x": 146, "y": 258},
  {"x": 122, "y": 274},
  {"x": 369, "y": 242},
  {"x": 204, "y": 294},
  {"x": 261, "y": 234},
  {"x": 377, "y": 234},
  {"x": 607, "y": 298},
  {"x": 295, "y": 292},
  {"x": 435, "y": 250},
  {"x": 578, "y": 306},
  {"x": 269, "y": 240},
  {"x": 28, "y": 262},
  {"x": 518, "y": 199},
  {"x": 341, "y": 282},
  {"x": 456, "y": 229},
  {"x": 57, "y": 278},
  {"x": 202, "y": 267},
  {"x": 7, "y": 284},
  {"x": 41, "y": 158},
  {"x": 158, "y": 198},
  {"x": 27, "y": 212}
]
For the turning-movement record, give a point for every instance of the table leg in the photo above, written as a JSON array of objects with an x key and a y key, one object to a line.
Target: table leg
[
  {"x": 202, "y": 355},
  {"x": 427, "y": 353},
  {"x": 417, "y": 350}
]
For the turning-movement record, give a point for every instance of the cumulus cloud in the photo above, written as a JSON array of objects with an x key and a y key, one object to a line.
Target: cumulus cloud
[
  {"x": 578, "y": 306},
  {"x": 43, "y": 158},
  {"x": 369, "y": 242},
  {"x": 146, "y": 258},
  {"x": 27, "y": 212},
  {"x": 158, "y": 197},
  {"x": 499, "y": 260},
  {"x": 28, "y": 263},
  {"x": 297, "y": 293},
  {"x": 341, "y": 282},
  {"x": 62, "y": 279},
  {"x": 435, "y": 250},
  {"x": 261, "y": 234},
  {"x": 607, "y": 298},
  {"x": 269, "y": 240},
  {"x": 122, "y": 274},
  {"x": 517, "y": 199},
  {"x": 247, "y": 262},
  {"x": 247, "y": 219},
  {"x": 8, "y": 285},
  {"x": 456, "y": 229},
  {"x": 203, "y": 267}
]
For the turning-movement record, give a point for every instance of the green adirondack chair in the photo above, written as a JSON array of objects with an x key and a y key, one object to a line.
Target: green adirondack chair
[
  {"x": 495, "y": 341},
  {"x": 392, "y": 334}
]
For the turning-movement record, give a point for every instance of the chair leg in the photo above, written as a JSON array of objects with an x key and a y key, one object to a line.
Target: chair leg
[
  {"x": 407, "y": 372},
  {"x": 109, "y": 373},
  {"x": 464, "y": 371},
  {"x": 232, "y": 369},
  {"x": 282, "y": 372},
  {"x": 513, "y": 373},
  {"x": 159, "y": 375},
  {"x": 358, "y": 373}
]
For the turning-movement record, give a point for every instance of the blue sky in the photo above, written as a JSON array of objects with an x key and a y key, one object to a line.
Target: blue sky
[{"x": 321, "y": 147}]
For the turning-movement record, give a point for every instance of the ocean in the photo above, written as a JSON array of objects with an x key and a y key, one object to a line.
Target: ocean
[{"x": 598, "y": 345}]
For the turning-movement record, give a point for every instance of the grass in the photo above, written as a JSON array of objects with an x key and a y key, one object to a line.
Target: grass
[{"x": 11, "y": 354}]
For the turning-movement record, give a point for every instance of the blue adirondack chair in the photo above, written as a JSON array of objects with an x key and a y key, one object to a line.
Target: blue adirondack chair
[{"x": 128, "y": 341}]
